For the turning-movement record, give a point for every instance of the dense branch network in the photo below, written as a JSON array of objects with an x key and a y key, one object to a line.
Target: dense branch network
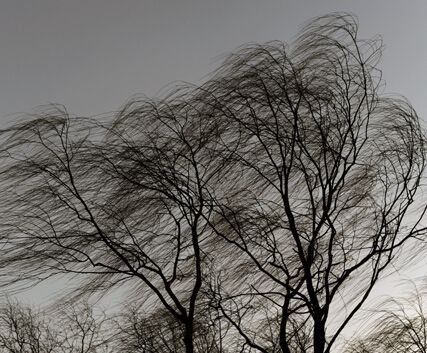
[{"x": 260, "y": 199}]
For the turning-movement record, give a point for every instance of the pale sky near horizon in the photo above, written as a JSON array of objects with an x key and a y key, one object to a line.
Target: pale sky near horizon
[{"x": 93, "y": 55}]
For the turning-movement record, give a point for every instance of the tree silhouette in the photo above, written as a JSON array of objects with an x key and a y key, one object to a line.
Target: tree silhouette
[
  {"x": 401, "y": 326},
  {"x": 159, "y": 332},
  {"x": 323, "y": 173},
  {"x": 71, "y": 330},
  {"x": 280, "y": 190}
]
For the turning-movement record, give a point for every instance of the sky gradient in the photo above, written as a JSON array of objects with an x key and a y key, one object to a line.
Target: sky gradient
[{"x": 91, "y": 56}]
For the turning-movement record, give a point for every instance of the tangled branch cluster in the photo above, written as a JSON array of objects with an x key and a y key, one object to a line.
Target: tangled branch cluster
[{"x": 264, "y": 200}]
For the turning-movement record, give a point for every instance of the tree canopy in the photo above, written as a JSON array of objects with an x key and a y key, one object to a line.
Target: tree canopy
[{"x": 261, "y": 201}]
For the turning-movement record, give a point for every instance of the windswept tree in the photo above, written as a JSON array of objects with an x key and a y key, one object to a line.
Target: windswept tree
[
  {"x": 322, "y": 176},
  {"x": 400, "y": 326},
  {"x": 280, "y": 190},
  {"x": 126, "y": 208},
  {"x": 158, "y": 332}
]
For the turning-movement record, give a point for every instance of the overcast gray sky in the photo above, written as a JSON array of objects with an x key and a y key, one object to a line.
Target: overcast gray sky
[{"x": 92, "y": 55}]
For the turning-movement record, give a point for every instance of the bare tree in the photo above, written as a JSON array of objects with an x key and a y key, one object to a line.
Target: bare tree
[
  {"x": 80, "y": 330},
  {"x": 23, "y": 330},
  {"x": 400, "y": 326},
  {"x": 160, "y": 332},
  {"x": 286, "y": 177},
  {"x": 72, "y": 330},
  {"x": 123, "y": 209},
  {"x": 322, "y": 175}
]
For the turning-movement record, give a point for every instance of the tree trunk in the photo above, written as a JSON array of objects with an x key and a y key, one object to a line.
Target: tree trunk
[
  {"x": 188, "y": 337},
  {"x": 283, "y": 327},
  {"x": 318, "y": 337}
]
